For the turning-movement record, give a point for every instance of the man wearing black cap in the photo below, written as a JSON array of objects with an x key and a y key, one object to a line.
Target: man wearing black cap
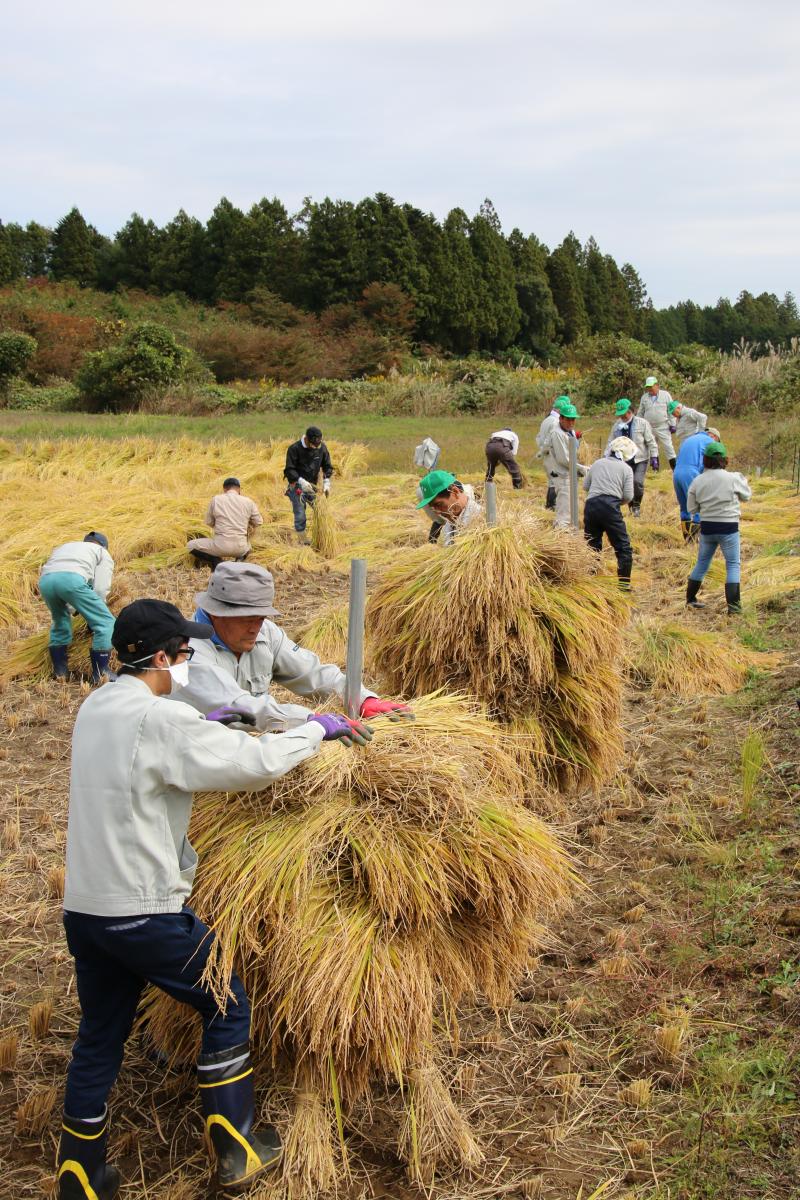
[
  {"x": 304, "y": 461},
  {"x": 78, "y": 576},
  {"x": 136, "y": 760},
  {"x": 231, "y": 516}
]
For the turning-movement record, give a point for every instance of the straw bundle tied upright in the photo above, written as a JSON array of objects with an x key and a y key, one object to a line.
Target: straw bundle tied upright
[
  {"x": 515, "y": 616},
  {"x": 358, "y": 896}
]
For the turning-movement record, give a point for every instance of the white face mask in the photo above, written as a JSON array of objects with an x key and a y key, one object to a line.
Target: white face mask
[{"x": 180, "y": 674}]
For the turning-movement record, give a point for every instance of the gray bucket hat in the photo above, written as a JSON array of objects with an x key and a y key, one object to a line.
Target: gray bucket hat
[{"x": 238, "y": 589}]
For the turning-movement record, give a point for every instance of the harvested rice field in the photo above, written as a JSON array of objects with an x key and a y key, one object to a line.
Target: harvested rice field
[{"x": 561, "y": 910}]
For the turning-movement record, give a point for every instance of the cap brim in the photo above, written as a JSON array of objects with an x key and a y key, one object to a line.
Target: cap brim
[
  {"x": 425, "y": 503},
  {"x": 215, "y": 608},
  {"x": 197, "y": 629}
]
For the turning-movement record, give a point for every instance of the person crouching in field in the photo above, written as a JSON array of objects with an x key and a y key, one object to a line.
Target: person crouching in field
[
  {"x": 502, "y": 448},
  {"x": 715, "y": 495},
  {"x": 230, "y": 516},
  {"x": 78, "y": 575},
  {"x": 609, "y": 484},
  {"x": 137, "y": 759},
  {"x": 442, "y": 494}
]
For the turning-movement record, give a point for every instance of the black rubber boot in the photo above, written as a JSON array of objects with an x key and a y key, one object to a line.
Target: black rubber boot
[
  {"x": 672, "y": 462},
  {"x": 99, "y": 660},
  {"x": 692, "y": 588},
  {"x": 733, "y": 598},
  {"x": 203, "y": 558},
  {"x": 226, "y": 1094},
  {"x": 635, "y": 510},
  {"x": 550, "y": 501},
  {"x": 58, "y": 657},
  {"x": 83, "y": 1173}
]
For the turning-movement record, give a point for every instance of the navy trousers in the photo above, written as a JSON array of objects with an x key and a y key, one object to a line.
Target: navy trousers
[
  {"x": 602, "y": 515},
  {"x": 114, "y": 958}
]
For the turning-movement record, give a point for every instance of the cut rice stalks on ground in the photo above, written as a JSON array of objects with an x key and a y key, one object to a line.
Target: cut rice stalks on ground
[
  {"x": 673, "y": 660},
  {"x": 325, "y": 534},
  {"x": 514, "y": 616},
  {"x": 358, "y": 896}
]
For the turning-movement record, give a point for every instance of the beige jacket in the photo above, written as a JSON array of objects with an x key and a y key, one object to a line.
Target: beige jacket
[
  {"x": 136, "y": 760},
  {"x": 231, "y": 516}
]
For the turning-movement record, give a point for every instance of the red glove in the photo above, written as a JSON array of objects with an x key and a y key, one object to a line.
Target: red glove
[
  {"x": 578, "y": 434},
  {"x": 373, "y": 707}
]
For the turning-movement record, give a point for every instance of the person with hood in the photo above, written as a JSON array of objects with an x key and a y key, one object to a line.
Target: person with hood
[
  {"x": 609, "y": 484},
  {"x": 685, "y": 420},
  {"x": 654, "y": 407},
  {"x": 78, "y": 576},
  {"x": 637, "y": 430},
  {"x": 305, "y": 459},
  {"x": 234, "y": 668},
  {"x": 716, "y": 496},
  {"x": 443, "y": 495},
  {"x": 688, "y": 466},
  {"x": 547, "y": 426},
  {"x": 137, "y": 760},
  {"x": 230, "y": 516},
  {"x": 556, "y": 454}
]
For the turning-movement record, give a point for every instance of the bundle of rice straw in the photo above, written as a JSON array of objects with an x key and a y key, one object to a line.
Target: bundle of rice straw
[
  {"x": 325, "y": 537},
  {"x": 514, "y": 616},
  {"x": 674, "y": 660},
  {"x": 326, "y": 634},
  {"x": 359, "y": 896}
]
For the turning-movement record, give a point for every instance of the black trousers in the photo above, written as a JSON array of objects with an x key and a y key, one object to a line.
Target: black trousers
[
  {"x": 114, "y": 958},
  {"x": 498, "y": 450},
  {"x": 602, "y": 515}
]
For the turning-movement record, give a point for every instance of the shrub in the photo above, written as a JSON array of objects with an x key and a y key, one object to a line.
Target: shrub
[
  {"x": 144, "y": 364},
  {"x": 16, "y": 351},
  {"x": 617, "y": 366}
]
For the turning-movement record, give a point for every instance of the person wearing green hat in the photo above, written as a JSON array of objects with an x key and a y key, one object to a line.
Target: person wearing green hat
[
  {"x": 543, "y": 436},
  {"x": 654, "y": 407},
  {"x": 638, "y": 430},
  {"x": 556, "y": 457},
  {"x": 441, "y": 494},
  {"x": 685, "y": 420},
  {"x": 715, "y": 495}
]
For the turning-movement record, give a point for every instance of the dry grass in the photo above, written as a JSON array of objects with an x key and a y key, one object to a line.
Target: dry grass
[
  {"x": 9, "y": 1050},
  {"x": 39, "y": 1017},
  {"x": 675, "y": 660},
  {"x": 513, "y": 616},
  {"x": 33, "y": 1114},
  {"x": 361, "y": 892},
  {"x": 326, "y": 634},
  {"x": 326, "y": 538}
]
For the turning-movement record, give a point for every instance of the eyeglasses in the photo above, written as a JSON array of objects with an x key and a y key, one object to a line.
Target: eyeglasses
[{"x": 186, "y": 652}]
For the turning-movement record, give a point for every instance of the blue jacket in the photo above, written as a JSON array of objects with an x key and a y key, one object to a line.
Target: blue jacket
[{"x": 690, "y": 455}]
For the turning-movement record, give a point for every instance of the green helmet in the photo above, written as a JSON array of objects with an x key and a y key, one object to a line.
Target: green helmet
[
  {"x": 569, "y": 411},
  {"x": 559, "y": 403},
  {"x": 433, "y": 484},
  {"x": 714, "y": 450},
  {"x": 622, "y": 407}
]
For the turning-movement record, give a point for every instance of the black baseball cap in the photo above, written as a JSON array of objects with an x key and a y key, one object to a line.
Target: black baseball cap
[
  {"x": 144, "y": 626},
  {"x": 231, "y": 481},
  {"x": 314, "y": 434}
]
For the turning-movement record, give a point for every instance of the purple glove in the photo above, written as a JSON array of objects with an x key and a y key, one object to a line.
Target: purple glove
[
  {"x": 654, "y": 463},
  {"x": 228, "y": 715},
  {"x": 340, "y": 727}
]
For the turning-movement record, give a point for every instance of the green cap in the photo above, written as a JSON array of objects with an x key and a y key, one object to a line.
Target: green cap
[
  {"x": 433, "y": 484},
  {"x": 714, "y": 450},
  {"x": 673, "y": 404},
  {"x": 651, "y": 379},
  {"x": 569, "y": 411},
  {"x": 558, "y": 404},
  {"x": 622, "y": 407}
]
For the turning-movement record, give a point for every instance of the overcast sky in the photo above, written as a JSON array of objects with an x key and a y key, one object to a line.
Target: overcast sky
[{"x": 668, "y": 131}]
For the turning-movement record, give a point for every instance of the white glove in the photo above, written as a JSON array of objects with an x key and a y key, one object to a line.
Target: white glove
[
  {"x": 326, "y": 486},
  {"x": 305, "y": 486}
]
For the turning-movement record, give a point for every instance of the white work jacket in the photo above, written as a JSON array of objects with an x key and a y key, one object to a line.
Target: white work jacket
[
  {"x": 217, "y": 677},
  {"x": 88, "y": 559},
  {"x": 690, "y": 421},
  {"x": 137, "y": 759},
  {"x": 472, "y": 510},
  {"x": 655, "y": 410},
  {"x": 640, "y": 433},
  {"x": 557, "y": 452}
]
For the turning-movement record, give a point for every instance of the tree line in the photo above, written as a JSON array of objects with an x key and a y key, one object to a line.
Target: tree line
[{"x": 470, "y": 286}]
